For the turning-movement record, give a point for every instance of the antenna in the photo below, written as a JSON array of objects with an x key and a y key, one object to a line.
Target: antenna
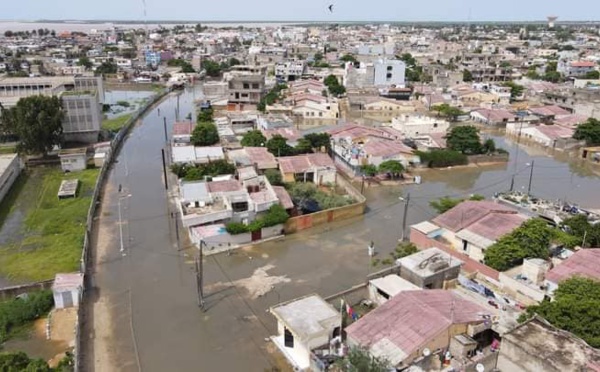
[{"x": 551, "y": 20}]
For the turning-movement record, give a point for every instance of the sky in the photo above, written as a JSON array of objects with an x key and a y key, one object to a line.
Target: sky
[{"x": 303, "y": 10}]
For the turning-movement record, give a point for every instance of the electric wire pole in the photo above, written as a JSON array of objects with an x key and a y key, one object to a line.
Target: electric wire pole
[{"x": 406, "y": 201}]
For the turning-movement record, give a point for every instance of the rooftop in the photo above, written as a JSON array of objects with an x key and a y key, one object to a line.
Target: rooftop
[
  {"x": 429, "y": 261},
  {"x": 393, "y": 284},
  {"x": 183, "y": 128},
  {"x": 386, "y": 148},
  {"x": 306, "y": 316},
  {"x": 306, "y": 162},
  {"x": 585, "y": 262},
  {"x": 284, "y": 197},
  {"x": 5, "y": 161},
  {"x": 224, "y": 186},
  {"x": 410, "y": 319},
  {"x": 467, "y": 213},
  {"x": 67, "y": 282}
]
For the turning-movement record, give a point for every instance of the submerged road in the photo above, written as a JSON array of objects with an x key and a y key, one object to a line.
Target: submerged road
[{"x": 142, "y": 311}]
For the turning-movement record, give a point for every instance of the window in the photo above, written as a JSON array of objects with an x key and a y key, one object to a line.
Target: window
[
  {"x": 388, "y": 76},
  {"x": 246, "y": 86},
  {"x": 435, "y": 125},
  {"x": 255, "y": 86},
  {"x": 383, "y": 294},
  {"x": 389, "y": 68},
  {"x": 288, "y": 338},
  {"x": 320, "y": 114}
]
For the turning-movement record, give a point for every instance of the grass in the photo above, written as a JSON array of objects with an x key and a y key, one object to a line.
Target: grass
[
  {"x": 8, "y": 150},
  {"x": 54, "y": 230},
  {"x": 117, "y": 123},
  {"x": 10, "y": 199}
]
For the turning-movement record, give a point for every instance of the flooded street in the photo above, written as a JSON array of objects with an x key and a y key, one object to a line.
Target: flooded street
[{"x": 142, "y": 312}]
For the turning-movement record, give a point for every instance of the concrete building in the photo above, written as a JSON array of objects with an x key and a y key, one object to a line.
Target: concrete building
[
  {"x": 317, "y": 168},
  {"x": 416, "y": 126},
  {"x": 575, "y": 68},
  {"x": 290, "y": 70},
  {"x": 195, "y": 154},
  {"x": 246, "y": 89},
  {"x": 304, "y": 325},
  {"x": 431, "y": 268},
  {"x": 83, "y": 116},
  {"x": 72, "y": 160},
  {"x": 382, "y": 289},
  {"x": 67, "y": 290},
  {"x": 536, "y": 345},
  {"x": 10, "y": 168},
  {"x": 389, "y": 72},
  {"x": 584, "y": 263}
]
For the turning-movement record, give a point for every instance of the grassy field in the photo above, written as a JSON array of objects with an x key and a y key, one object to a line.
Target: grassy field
[
  {"x": 116, "y": 123},
  {"x": 53, "y": 230},
  {"x": 8, "y": 149}
]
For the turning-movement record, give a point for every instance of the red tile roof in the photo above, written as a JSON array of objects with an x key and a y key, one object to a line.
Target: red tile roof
[
  {"x": 582, "y": 64},
  {"x": 549, "y": 111},
  {"x": 302, "y": 163},
  {"x": 183, "y": 128},
  {"x": 385, "y": 148},
  {"x": 291, "y": 134},
  {"x": 495, "y": 225},
  {"x": 410, "y": 319},
  {"x": 224, "y": 186},
  {"x": 585, "y": 262},
  {"x": 284, "y": 197}
]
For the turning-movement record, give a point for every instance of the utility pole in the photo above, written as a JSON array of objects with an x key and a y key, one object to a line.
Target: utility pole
[
  {"x": 164, "y": 169},
  {"x": 200, "y": 276},
  {"x": 530, "y": 178},
  {"x": 165, "y": 126},
  {"x": 406, "y": 201},
  {"x": 177, "y": 229}
]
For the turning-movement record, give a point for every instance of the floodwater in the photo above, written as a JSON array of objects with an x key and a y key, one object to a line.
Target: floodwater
[
  {"x": 151, "y": 292},
  {"x": 135, "y": 99}
]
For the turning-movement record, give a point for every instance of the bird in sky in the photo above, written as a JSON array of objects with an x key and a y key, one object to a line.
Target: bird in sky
[{"x": 330, "y": 7}]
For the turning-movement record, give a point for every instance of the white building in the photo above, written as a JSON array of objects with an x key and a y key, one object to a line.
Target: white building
[
  {"x": 290, "y": 70},
  {"x": 67, "y": 290},
  {"x": 304, "y": 325},
  {"x": 415, "y": 126},
  {"x": 389, "y": 72},
  {"x": 73, "y": 159},
  {"x": 10, "y": 168},
  {"x": 194, "y": 154}
]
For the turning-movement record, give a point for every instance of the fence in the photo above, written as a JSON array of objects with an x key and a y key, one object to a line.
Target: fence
[
  {"x": 307, "y": 221},
  {"x": 7, "y": 293},
  {"x": 115, "y": 146}
]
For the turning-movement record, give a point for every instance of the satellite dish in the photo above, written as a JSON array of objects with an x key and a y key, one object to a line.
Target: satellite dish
[
  {"x": 426, "y": 352},
  {"x": 479, "y": 367}
]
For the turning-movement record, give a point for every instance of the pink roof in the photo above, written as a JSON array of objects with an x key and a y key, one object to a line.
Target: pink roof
[
  {"x": 291, "y": 134},
  {"x": 260, "y": 156},
  {"x": 183, "y": 128},
  {"x": 469, "y": 212},
  {"x": 358, "y": 131},
  {"x": 410, "y": 319},
  {"x": 495, "y": 225},
  {"x": 308, "y": 97},
  {"x": 555, "y": 131},
  {"x": 385, "y": 148},
  {"x": 582, "y": 64},
  {"x": 549, "y": 111},
  {"x": 224, "y": 186},
  {"x": 284, "y": 197},
  {"x": 570, "y": 121},
  {"x": 496, "y": 115},
  {"x": 67, "y": 282},
  {"x": 585, "y": 262},
  {"x": 303, "y": 163}
]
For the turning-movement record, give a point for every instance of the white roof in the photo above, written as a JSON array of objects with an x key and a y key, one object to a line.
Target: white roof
[
  {"x": 67, "y": 282},
  {"x": 191, "y": 154},
  {"x": 425, "y": 227},
  {"x": 196, "y": 190},
  {"x": 5, "y": 161},
  {"x": 393, "y": 284},
  {"x": 306, "y": 316},
  {"x": 474, "y": 238}
]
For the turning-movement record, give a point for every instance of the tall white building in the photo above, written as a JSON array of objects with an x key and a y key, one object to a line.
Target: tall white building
[{"x": 390, "y": 72}]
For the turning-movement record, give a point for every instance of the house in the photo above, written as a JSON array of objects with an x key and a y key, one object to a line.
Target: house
[
  {"x": 182, "y": 132},
  {"x": 304, "y": 325},
  {"x": 312, "y": 109},
  {"x": 376, "y": 151},
  {"x": 591, "y": 154},
  {"x": 317, "y": 168},
  {"x": 382, "y": 289},
  {"x": 102, "y": 151},
  {"x": 547, "y": 114},
  {"x": 292, "y": 135},
  {"x": 412, "y": 322},
  {"x": 547, "y": 135},
  {"x": 466, "y": 231},
  {"x": 290, "y": 70},
  {"x": 584, "y": 263},
  {"x": 430, "y": 268},
  {"x": 195, "y": 154},
  {"x": 274, "y": 121},
  {"x": 415, "y": 126},
  {"x": 246, "y": 88},
  {"x": 536, "y": 345},
  {"x": 389, "y": 72},
  {"x": 73, "y": 159},
  {"x": 259, "y": 157},
  {"x": 67, "y": 290},
  {"x": 575, "y": 68},
  {"x": 10, "y": 168},
  {"x": 385, "y": 106},
  {"x": 312, "y": 87},
  {"x": 493, "y": 116}
]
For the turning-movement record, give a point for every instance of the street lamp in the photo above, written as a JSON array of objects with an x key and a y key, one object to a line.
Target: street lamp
[{"x": 122, "y": 250}]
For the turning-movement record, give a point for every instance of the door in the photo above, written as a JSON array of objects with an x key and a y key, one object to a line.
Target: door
[
  {"x": 256, "y": 235},
  {"x": 67, "y": 298}
]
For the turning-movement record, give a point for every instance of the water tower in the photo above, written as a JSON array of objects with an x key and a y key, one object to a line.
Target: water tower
[{"x": 551, "y": 20}]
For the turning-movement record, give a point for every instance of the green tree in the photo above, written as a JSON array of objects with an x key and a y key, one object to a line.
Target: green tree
[
  {"x": 36, "y": 121},
  {"x": 467, "y": 76},
  {"x": 589, "y": 132},
  {"x": 579, "y": 227},
  {"x": 408, "y": 59},
  {"x": 516, "y": 90},
  {"x": 337, "y": 90},
  {"x": 274, "y": 177},
  {"x": 85, "y": 62},
  {"x": 212, "y": 68},
  {"x": 205, "y": 115},
  {"x": 205, "y": 134},
  {"x": 464, "y": 139},
  {"x": 369, "y": 170},
  {"x": 234, "y": 62},
  {"x": 359, "y": 360},
  {"x": 348, "y": 58},
  {"x": 303, "y": 147},
  {"x": 576, "y": 309},
  {"x": 331, "y": 80},
  {"x": 393, "y": 167},
  {"x": 107, "y": 67},
  {"x": 593, "y": 75},
  {"x": 319, "y": 140},
  {"x": 278, "y": 146},
  {"x": 530, "y": 240},
  {"x": 184, "y": 65},
  {"x": 253, "y": 138},
  {"x": 442, "y": 158}
]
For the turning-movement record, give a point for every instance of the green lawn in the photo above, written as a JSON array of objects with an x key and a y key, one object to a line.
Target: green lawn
[
  {"x": 53, "y": 229},
  {"x": 116, "y": 123},
  {"x": 8, "y": 149}
]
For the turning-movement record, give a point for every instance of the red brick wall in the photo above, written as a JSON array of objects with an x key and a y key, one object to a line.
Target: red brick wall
[{"x": 422, "y": 241}]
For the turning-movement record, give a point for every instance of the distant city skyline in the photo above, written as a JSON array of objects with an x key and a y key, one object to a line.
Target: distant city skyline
[{"x": 311, "y": 10}]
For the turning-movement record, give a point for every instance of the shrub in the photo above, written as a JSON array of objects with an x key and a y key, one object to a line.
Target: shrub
[
  {"x": 17, "y": 312},
  {"x": 275, "y": 215},
  {"x": 235, "y": 228},
  {"x": 442, "y": 158}
]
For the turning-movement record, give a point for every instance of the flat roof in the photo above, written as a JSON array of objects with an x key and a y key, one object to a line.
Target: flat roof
[
  {"x": 194, "y": 190},
  {"x": 393, "y": 284},
  {"x": 306, "y": 315},
  {"x": 67, "y": 282},
  {"x": 75, "y": 151},
  {"x": 68, "y": 188},
  {"x": 5, "y": 161},
  {"x": 429, "y": 261}
]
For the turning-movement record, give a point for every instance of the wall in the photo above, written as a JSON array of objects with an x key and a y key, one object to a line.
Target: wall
[
  {"x": 9, "y": 176},
  {"x": 422, "y": 241},
  {"x": 299, "y": 223},
  {"x": 520, "y": 291},
  {"x": 481, "y": 159},
  {"x": 9, "y": 293},
  {"x": 397, "y": 72},
  {"x": 514, "y": 358}
]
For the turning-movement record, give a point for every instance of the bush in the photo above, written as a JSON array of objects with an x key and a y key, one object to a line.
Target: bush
[
  {"x": 235, "y": 228},
  {"x": 274, "y": 177},
  {"x": 195, "y": 172},
  {"x": 275, "y": 216},
  {"x": 205, "y": 134},
  {"x": 255, "y": 225},
  {"x": 17, "y": 312},
  {"x": 442, "y": 158}
]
